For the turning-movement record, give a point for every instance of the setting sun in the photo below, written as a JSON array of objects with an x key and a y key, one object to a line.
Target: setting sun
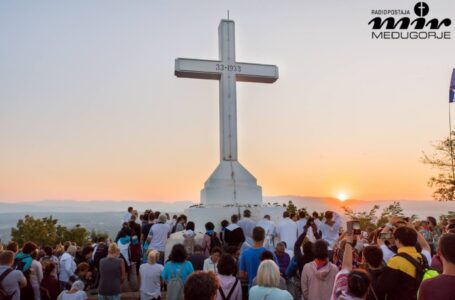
[{"x": 342, "y": 197}]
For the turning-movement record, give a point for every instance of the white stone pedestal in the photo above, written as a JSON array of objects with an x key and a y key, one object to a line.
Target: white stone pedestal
[{"x": 231, "y": 184}]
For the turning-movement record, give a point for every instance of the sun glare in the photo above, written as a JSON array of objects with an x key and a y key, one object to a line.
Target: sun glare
[{"x": 342, "y": 197}]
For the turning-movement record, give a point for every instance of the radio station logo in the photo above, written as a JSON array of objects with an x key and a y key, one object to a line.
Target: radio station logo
[{"x": 402, "y": 24}]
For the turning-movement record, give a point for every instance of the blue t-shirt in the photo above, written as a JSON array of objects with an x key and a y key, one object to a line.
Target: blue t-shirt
[
  {"x": 249, "y": 262},
  {"x": 175, "y": 269}
]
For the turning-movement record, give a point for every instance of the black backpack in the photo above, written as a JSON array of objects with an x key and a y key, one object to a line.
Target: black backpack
[
  {"x": 223, "y": 296},
  {"x": 19, "y": 264},
  {"x": 3, "y": 294},
  {"x": 214, "y": 241}
]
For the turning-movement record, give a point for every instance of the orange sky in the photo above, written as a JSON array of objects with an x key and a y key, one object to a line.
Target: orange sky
[{"x": 91, "y": 109}]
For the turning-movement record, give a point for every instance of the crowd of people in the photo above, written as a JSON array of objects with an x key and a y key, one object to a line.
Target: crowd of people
[{"x": 310, "y": 257}]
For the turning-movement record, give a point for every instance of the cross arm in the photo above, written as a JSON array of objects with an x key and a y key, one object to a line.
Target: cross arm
[
  {"x": 197, "y": 68},
  {"x": 257, "y": 73}
]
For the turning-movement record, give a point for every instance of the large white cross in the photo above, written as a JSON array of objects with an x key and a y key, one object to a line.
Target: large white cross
[{"x": 227, "y": 71}]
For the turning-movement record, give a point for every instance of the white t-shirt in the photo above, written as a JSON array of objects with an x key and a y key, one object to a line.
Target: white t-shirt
[
  {"x": 330, "y": 233},
  {"x": 159, "y": 234},
  {"x": 209, "y": 265},
  {"x": 150, "y": 280},
  {"x": 287, "y": 231},
  {"x": 126, "y": 217},
  {"x": 79, "y": 295}
]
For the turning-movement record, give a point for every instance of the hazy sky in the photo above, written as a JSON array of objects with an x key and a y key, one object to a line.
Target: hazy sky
[{"x": 90, "y": 108}]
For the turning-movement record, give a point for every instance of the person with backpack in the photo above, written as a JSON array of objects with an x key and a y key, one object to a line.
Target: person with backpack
[
  {"x": 441, "y": 287},
  {"x": 211, "y": 263},
  {"x": 23, "y": 262},
  {"x": 11, "y": 281},
  {"x": 210, "y": 239},
  {"x": 176, "y": 271},
  {"x": 404, "y": 273},
  {"x": 230, "y": 286}
]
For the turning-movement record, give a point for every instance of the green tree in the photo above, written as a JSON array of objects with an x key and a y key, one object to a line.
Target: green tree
[
  {"x": 95, "y": 235},
  {"x": 46, "y": 231},
  {"x": 393, "y": 210},
  {"x": 40, "y": 231},
  {"x": 291, "y": 208},
  {"x": 443, "y": 183},
  {"x": 366, "y": 219}
]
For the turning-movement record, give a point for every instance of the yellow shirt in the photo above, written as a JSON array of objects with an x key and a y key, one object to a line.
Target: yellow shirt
[{"x": 402, "y": 264}]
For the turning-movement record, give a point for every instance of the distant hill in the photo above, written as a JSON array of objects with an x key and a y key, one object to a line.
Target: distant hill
[{"x": 90, "y": 206}]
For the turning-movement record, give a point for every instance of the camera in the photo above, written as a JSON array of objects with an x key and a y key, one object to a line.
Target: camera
[
  {"x": 385, "y": 235},
  {"x": 353, "y": 227}
]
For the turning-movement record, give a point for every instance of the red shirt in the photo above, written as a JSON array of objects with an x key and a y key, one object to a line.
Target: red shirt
[{"x": 438, "y": 288}]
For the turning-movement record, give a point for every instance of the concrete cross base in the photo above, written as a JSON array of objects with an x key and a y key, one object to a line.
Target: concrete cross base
[{"x": 231, "y": 184}]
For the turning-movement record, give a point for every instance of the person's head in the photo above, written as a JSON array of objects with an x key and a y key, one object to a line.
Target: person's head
[
  {"x": 266, "y": 255},
  {"x": 113, "y": 250},
  {"x": 224, "y": 223},
  {"x": 157, "y": 214},
  {"x": 268, "y": 274},
  {"x": 258, "y": 234},
  {"x": 286, "y": 214},
  {"x": 87, "y": 251},
  {"x": 209, "y": 226},
  {"x": 12, "y": 246},
  {"x": 48, "y": 268},
  {"x": 130, "y": 209},
  {"x": 234, "y": 219},
  {"x": 328, "y": 215},
  {"x": 234, "y": 251},
  {"x": 178, "y": 253},
  {"x": 82, "y": 269},
  {"x": 267, "y": 217},
  {"x": 66, "y": 245},
  {"x": 151, "y": 217},
  {"x": 246, "y": 213},
  {"x": 308, "y": 249},
  {"x": 320, "y": 249},
  {"x": 432, "y": 222},
  {"x": 162, "y": 219},
  {"x": 7, "y": 258},
  {"x": 48, "y": 250},
  {"x": 190, "y": 226},
  {"x": 447, "y": 248},
  {"x": 227, "y": 265},
  {"x": 302, "y": 214},
  {"x": 358, "y": 283},
  {"x": 29, "y": 248},
  {"x": 153, "y": 256},
  {"x": 201, "y": 286},
  {"x": 182, "y": 219},
  {"x": 373, "y": 256},
  {"x": 215, "y": 254},
  {"x": 280, "y": 248},
  {"x": 72, "y": 250},
  {"x": 405, "y": 237},
  {"x": 198, "y": 249}
]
